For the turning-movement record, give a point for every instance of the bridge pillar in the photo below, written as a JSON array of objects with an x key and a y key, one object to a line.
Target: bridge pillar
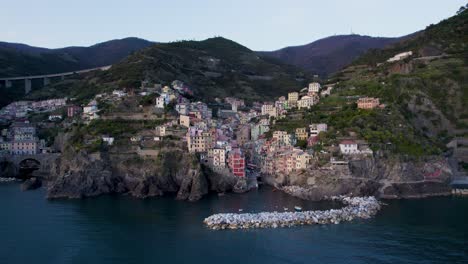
[
  {"x": 62, "y": 77},
  {"x": 46, "y": 81},
  {"x": 8, "y": 84},
  {"x": 27, "y": 86}
]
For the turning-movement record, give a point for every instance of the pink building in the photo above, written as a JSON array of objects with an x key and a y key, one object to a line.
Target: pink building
[
  {"x": 73, "y": 110},
  {"x": 368, "y": 103}
]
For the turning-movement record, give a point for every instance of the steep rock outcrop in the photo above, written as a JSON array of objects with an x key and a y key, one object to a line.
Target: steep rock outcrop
[
  {"x": 382, "y": 177},
  {"x": 173, "y": 170}
]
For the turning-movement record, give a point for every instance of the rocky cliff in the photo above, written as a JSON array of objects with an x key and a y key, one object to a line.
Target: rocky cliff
[
  {"x": 81, "y": 174},
  {"x": 384, "y": 178}
]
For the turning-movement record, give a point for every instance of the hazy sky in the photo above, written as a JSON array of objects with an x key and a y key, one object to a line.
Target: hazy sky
[{"x": 257, "y": 24}]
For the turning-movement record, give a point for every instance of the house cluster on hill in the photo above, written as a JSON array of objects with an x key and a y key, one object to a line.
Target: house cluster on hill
[
  {"x": 21, "y": 109},
  {"x": 20, "y": 139},
  {"x": 234, "y": 141}
]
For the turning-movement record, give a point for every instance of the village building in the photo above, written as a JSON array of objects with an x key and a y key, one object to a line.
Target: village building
[
  {"x": 217, "y": 156},
  {"x": 135, "y": 138},
  {"x": 90, "y": 111},
  {"x": 24, "y": 147},
  {"x": 301, "y": 133},
  {"x": 315, "y": 129},
  {"x": 201, "y": 110},
  {"x": 305, "y": 102},
  {"x": 184, "y": 120},
  {"x": 21, "y": 139},
  {"x": 235, "y": 103},
  {"x": 314, "y": 87},
  {"x": 243, "y": 134},
  {"x": 348, "y": 147},
  {"x": 269, "y": 109},
  {"x": 182, "y": 108},
  {"x": 236, "y": 161},
  {"x": 198, "y": 140},
  {"x": 284, "y": 138},
  {"x": 55, "y": 117},
  {"x": 327, "y": 91},
  {"x": 302, "y": 160},
  {"x": 50, "y": 104},
  {"x": 400, "y": 56},
  {"x": 281, "y": 103},
  {"x": 368, "y": 103},
  {"x": 119, "y": 93},
  {"x": 108, "y": 140},
  {"x": 292, "y": 99},
  {"x": 162, "y": 100},
  {"x": 73, "y": 110},
  {"x": 160, "y": 131}
]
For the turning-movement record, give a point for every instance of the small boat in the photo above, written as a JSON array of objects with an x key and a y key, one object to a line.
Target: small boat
[
  {"x": 286, "y": 209},
  {"x": 221, "y": 194},
  {"x": 240, "y": 210},
  {"x": 298, "y": 208}
]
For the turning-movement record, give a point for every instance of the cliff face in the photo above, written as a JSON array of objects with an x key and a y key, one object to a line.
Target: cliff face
[
  {"x": 77, "y": 175},
  {"x": 384, "y": 178}
]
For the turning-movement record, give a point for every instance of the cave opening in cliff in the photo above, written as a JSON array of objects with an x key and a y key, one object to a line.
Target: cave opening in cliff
[{"x": 27, "y": 168}]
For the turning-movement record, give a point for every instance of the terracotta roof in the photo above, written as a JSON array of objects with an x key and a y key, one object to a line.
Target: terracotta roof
[{"x": 348, "y": 142}]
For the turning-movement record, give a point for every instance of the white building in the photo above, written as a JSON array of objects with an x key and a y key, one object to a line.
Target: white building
[
  {"x": 108, "y": 140},
  {"x": 90, "y": 111},
  {"x": 119, "y": 93},
  {"x": 160, "y": 102},
  {"x": 314, "y": 87},
  {"x": 55, "y": 117},
  {"x": 400, "y": 56},
  {"x": 218, "y": 157},
  {"x": 315, "y": 129},
  {"x": 161, "y": 131},
  {"x": 163, "y": 100},
  {"x": 348, "y": 147},
  {"x": 326, "y": 91},
  {"x": 305, "y": 102}
]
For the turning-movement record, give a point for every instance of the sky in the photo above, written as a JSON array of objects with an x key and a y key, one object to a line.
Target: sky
[{"x": 257, "y": 24}]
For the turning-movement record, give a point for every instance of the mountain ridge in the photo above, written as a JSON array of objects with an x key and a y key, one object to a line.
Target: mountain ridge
[
  {"x": 329, "y": 55},
  {"x": 18, "y": 59}
]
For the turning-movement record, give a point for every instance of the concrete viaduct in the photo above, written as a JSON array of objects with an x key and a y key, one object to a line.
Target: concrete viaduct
[{"x": 8, "y": 81}]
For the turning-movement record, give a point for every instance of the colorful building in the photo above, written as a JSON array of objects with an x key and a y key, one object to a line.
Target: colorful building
[
  {"x": 236, "y": 161},
  {"x": 368, "y": 103}
]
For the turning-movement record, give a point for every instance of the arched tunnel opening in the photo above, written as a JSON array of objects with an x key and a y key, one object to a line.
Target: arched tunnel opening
[{"x": 27, "y": 168}]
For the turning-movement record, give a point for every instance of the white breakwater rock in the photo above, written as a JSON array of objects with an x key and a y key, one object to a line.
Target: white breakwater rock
[{"x": 355, "y": 207}]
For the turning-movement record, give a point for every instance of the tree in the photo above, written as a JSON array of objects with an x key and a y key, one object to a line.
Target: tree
[{"x": 462, "y": 9}]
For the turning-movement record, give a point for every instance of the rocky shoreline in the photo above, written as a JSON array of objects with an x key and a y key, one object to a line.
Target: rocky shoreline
[{"x": 355, "y": 207}]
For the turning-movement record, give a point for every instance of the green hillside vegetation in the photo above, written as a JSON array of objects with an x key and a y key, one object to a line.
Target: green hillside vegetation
[
  {"x": 426, "y": 98},
  {"x": 449, "y": 37},
  {"x": 216, "y": 67}
]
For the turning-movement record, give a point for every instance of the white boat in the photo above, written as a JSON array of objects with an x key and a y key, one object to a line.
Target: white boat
[{"x": 298, "y": 208}]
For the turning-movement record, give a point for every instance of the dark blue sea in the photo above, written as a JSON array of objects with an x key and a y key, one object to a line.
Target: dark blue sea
[{"x": 115, "y": 229}]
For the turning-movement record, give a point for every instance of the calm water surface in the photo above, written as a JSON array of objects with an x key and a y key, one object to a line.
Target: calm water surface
[{"x": 113, "y": 229}]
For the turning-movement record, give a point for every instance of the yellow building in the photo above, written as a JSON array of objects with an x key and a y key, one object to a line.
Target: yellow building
[
  {"x": 301, "y": 133},
  {"x": 292, "y": 99},
  {"x": 302, "y": 161}
]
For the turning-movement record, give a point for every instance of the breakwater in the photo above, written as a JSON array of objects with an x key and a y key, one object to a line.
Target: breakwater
[{"x": 354, "y": 207}]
